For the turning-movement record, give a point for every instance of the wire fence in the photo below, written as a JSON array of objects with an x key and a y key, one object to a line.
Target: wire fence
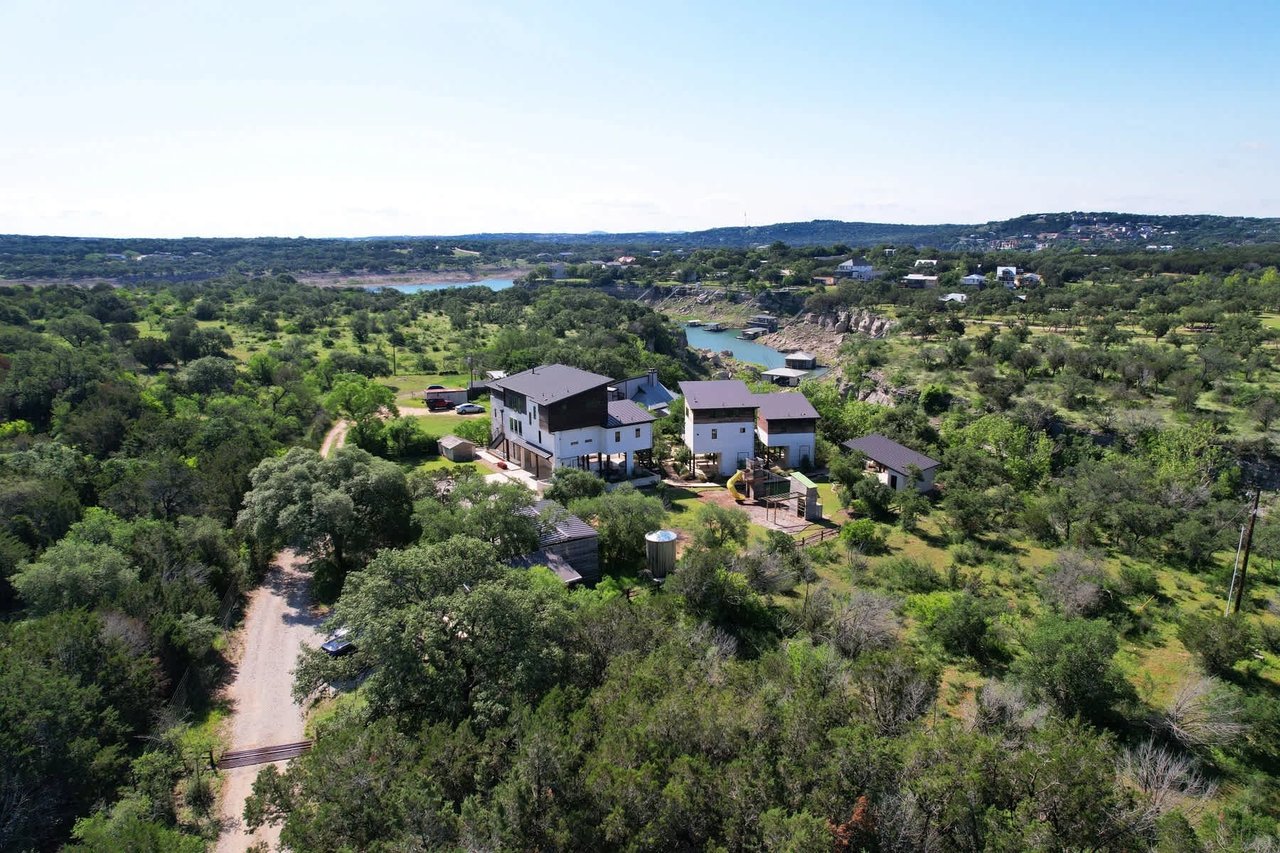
[{"x": 190, "y": 685}]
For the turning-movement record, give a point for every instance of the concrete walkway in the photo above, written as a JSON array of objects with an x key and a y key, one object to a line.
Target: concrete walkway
[{"x": 507, "y": 475}]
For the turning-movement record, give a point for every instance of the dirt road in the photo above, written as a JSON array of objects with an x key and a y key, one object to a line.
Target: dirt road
[
  {"x": 278, "y": 624},
  {"x": 336, "y": 437}
]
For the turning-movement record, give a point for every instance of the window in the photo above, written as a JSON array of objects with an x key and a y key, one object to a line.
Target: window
[
  {"x": 617, "y": 435},
  {"x": 637, "y": 432},
  {"x": 742, "y": 429},
  {"x": 573, "y": 444},
  {"x": 715, "y": 433}
]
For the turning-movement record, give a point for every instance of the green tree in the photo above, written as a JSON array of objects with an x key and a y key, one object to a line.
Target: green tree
[
  {"x": 721, "y": 526},
  {"x": 570, "y": 484},
  {"x": 127, "y": 826},
  {"x": 71, "y": 700},
  {"x": 448, "y": 632},
  {"x": 359, "y": 398},
  {"x": 1218, "y": 643},
  {"x": 622, "y": 518},
  {"x": 1069, "y": 662},
  {"x": 74, "y": 574},
  {"x": 344, "y": 506}
]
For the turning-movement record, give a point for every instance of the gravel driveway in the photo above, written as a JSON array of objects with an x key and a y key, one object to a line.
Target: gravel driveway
[{"x": 278, "y": 624}]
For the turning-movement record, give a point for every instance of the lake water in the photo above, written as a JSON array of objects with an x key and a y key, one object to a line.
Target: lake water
[
  {"x": 491, "y": 283},
  {"x": 748, "y": 351}
]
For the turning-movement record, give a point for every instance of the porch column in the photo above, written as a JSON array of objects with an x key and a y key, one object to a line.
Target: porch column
[{"x": 627, "y": 470}]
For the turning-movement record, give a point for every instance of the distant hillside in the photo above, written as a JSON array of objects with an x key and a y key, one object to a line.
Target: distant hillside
[
  {"x": 193, "y": 259},
  {"x": 1101, "y": 229},
  {"x": 819, "y": 232}
]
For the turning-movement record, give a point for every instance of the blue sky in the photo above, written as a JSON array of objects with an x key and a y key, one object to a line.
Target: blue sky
[{"x": 348, "y": 119}]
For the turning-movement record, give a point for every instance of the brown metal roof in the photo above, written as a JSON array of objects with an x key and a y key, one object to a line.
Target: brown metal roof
[
  {"x": 785, "y": 405},
  {"x": 718, "y": 394}
]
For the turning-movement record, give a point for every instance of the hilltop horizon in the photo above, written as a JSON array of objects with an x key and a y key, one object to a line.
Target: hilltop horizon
[{"x": 798, "y": 224}]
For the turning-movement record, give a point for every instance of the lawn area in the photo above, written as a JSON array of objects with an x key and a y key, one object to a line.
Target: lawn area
[
  {"x": 409, "y": 386},
  {"x": 436, "y": 425},
  {"x": 439, "y": 463}
]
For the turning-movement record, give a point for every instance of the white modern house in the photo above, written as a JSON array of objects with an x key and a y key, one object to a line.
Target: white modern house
[
  {"x": 786, "y": 427},
  {"x": 856, "y": 268},
  {"x": 975, "y": 279},
  {"x": 892, "y": 463},
  {"x": 555, "y": 416},
  {"x": 1008, "y": 276},
  {"x": 722, "y": 417},
  {"x": 720, "y": 420}
]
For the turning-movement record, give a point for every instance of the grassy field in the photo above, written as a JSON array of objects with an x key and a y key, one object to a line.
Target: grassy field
[{"x": 436, "y": 425}]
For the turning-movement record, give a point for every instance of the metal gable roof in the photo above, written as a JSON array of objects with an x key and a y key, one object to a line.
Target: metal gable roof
[
  {"x": 717, "y": 394},
  {"x": 551, "y": 382},
  {"x": 626, "y": 413},
  {"x": 888, "y": 452},
  {"x": 784, "y": 406}
]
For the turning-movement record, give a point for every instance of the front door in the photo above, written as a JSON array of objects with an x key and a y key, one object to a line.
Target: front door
[{"x": 893, "y": 481}]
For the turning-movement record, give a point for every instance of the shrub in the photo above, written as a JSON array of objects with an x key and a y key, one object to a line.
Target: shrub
[
  {"x": 1069, "y": 662},
  {"x": 1218, "y": 642},
  {"x": 908, "y": 575},
  {"x": 863, "y": 535},
  {"x": 963, "y": 627},
  {"x": 1138, "y": 580},
  {"x": 935, "y": 399}
]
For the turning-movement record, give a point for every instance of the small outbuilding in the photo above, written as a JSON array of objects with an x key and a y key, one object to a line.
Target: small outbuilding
[
  {"x": 892, "y": 462},
  {"x": 457, "y": 449},
  {"x": 788, "y": 376},
  {"x": 572, "y": 543},
  {"x": 801, "y": 360}
]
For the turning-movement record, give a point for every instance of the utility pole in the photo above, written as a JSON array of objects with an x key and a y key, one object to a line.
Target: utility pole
[{"x": 1248, "y": 541}]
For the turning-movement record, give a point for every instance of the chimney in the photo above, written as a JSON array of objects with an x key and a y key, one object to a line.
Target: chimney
[{"x": 653, "y": 376}]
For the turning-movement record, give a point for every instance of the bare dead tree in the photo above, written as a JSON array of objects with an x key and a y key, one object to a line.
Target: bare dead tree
[
  {"x": 864, "y": 622},
  {"x": 893, "y": 691},
  {"x": 816, "y": 611},
  {"x": 1001, "y": 706},
  {"x": 1075, "y": 584},
  {"x": 1203, "y": 712},
  {"x": 1164, "y": 780}
]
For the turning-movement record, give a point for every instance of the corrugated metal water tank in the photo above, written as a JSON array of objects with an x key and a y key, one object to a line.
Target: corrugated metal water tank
[{"x": 660, "y": 550}]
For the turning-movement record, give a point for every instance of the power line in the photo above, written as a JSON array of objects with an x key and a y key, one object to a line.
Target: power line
[{"x": 1235, "y": 592}]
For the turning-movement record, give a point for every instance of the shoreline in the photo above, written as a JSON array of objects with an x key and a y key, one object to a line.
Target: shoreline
[
  {"x": 424, "y": 277},
  {"x": 321, "y": 279}
]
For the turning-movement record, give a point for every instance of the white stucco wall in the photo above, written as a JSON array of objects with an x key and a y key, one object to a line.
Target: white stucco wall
[
  {"x": 628, "y": 443},
  {"x": 923, "y": 485},
  {"x": 590, "y": 440},
  {"x": 797, "y": 444},
  {"x": 731, "y": 439}
]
